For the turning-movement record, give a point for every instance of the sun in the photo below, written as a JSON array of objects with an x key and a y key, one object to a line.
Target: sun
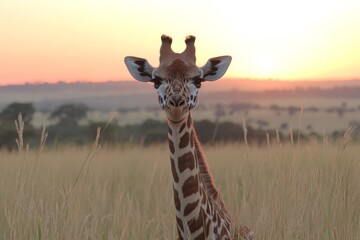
[{"x": 266, "y": 66}]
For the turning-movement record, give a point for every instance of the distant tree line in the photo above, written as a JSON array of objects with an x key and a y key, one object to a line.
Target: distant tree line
[{"x": 67, "y": 130}]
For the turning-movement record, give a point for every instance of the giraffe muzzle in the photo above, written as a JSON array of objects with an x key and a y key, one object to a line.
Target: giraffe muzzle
[
  {"x": 176, "y": 101},
  {"x": 176, "y": 108}
]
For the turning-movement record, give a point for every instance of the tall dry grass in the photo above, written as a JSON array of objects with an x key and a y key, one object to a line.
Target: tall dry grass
[{"x": 282, "y": 191}]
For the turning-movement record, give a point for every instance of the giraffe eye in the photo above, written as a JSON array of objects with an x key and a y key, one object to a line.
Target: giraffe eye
[
  {"x": 157, "y": 82},
  {"x": 197, "y": 82}
]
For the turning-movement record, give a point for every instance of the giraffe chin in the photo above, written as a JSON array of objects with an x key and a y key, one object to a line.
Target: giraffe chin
[{"x": 177, "y": 114}]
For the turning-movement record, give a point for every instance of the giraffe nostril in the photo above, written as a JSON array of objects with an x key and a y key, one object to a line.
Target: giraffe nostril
[
  {"x": 171, "y": 103},
  {"x": 182, "y": 102},
  {"x": 176, "y": 101}
]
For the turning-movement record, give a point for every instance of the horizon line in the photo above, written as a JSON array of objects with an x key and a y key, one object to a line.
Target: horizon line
[{"x": 41, "y": 82}]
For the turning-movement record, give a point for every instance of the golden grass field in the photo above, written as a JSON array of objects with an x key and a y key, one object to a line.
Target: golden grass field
[{"x": 309, "y": 191}]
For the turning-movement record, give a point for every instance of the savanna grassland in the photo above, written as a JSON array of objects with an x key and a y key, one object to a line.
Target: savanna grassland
[{"x": 282, "y": 191}]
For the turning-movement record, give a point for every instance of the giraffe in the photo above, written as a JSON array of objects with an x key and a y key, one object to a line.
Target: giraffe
[{"x": 200, "y": 210}]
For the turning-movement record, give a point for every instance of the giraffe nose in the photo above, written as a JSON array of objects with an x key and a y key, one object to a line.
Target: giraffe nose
[{"x": 177, "y": 101}]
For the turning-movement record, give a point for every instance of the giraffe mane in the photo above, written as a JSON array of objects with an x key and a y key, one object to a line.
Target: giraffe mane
[{"x": 206, "y": 177}]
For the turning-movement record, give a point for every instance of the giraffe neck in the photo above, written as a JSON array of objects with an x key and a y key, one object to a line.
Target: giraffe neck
[{"x": 198, "y": 216}]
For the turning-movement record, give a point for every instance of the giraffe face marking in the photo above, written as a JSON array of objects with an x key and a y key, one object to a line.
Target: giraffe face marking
[{"x": 177, "y": 85}]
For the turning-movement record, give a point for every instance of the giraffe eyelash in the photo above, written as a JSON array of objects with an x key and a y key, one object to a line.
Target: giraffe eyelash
[
  {"x": 157, "y": 82},
  {"x": 197, "y": 81}
]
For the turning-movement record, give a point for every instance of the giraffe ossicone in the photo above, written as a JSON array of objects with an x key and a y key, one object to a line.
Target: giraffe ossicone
[{"x": 200, "y": 210}]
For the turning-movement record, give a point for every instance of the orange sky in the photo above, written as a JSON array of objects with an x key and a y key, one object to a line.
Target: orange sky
[{"x": 86, "y": 40}]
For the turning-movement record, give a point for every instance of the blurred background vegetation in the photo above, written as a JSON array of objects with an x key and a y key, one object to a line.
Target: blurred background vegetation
[{"x": 68, "y": 126}]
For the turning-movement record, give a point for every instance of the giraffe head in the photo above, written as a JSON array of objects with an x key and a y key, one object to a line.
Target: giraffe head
[{"x": 177, "y": 79}]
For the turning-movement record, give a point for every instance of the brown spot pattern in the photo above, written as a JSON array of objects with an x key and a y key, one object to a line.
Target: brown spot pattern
[
  {"x": 186, "y": 161},
  {"x": 184, "y": 140},
  {"x": 176, "y": 200},
  {"x": 208, "y": 208},
  {"x": 190, "y": 207},
  {"x": 207, "y": 230},
  {"x": 182, "y": 127},
  {"x": 203, "y": 201},
  {"x": 196, "y": 224},
  {"x": 179, "y": 224},
  {"x": 200, "y": 237},
  {"x": 179, "y": 234},
  {"x": 189, "y": 121},
  {"x": 173, "y": 170},
  {"x": 171, "y": 146},
  {"x": 191, "y": 186}
]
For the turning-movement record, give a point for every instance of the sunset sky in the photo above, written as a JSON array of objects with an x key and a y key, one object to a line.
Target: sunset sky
[{"x": 86, "y": 40}]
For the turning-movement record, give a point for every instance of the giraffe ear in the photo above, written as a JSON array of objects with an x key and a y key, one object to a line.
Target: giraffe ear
[
  {"x": 215, "y": 68},
  {"x": 139, "y": 68}
]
